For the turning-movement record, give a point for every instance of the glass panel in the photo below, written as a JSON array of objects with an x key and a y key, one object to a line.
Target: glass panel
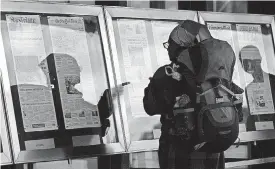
[
  {"x": 141, "y": 52},
  {"x": 58, "y": 76},
  {"x": 254, "y": 72}
]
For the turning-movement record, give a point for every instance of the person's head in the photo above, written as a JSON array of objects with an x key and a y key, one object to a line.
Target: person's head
[
  {"x": 64, "y": 64},
  {"x": 188, "y": 33},
  {"x": 248, "y": 57}
]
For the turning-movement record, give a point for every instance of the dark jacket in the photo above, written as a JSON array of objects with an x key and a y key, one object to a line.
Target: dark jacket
[
  {"x": 159, "y": 98},
  {"x": 160, "y": 94}
]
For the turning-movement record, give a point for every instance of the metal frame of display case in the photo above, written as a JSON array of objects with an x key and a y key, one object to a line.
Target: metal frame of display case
[
  {"x": 147, "y": 14},
  {"x": 6, "y": 156},
  {"x": 60, "y": 153},
  {"x": 249, "y": 136}
]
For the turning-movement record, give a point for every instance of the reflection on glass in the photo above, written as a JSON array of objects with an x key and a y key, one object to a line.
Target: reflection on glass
[
  {"x": 58, "y": 78},
  {"x": 68, "y": 36},
  {"x": 28, "y": 49},
  {"x": 254, "y": 71},
  {"x": 258, "y": 91},
  {"x": 255, "y": 60},
  {"x": 77, "y": 112},
  {"x": 251, "y": 34},
  {"x": 35, "y": 94}
]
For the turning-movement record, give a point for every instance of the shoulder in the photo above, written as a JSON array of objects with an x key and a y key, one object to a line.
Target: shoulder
[{"x": 160, "y": 72}]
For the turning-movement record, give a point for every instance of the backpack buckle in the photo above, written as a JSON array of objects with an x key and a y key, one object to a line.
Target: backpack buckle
[
  {"x": 219, "y": 100},
  {"x": 172, "y": 71}
]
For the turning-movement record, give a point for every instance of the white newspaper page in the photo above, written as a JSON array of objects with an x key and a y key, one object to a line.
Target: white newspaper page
[
  {"x": 74, "y": 72},
  {"x": 33, "y": 84},
  {"x": 223, "y": 32},
  {"x": 254, "y": 62},
  {"x": 137, "y": 61},
  {"x": 27, "y": 46},
  {"x": 161, "y": 31}
]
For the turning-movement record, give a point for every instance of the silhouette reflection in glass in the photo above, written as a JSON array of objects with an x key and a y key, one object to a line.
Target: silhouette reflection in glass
[
  {"x": 260, "y": 87},
  {"x": 64, "y": 73},
  {"x": 33, "y": 100},
  {"x": 62, "y": 77}
]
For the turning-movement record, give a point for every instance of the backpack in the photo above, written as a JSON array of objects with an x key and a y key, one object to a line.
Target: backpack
[{"x": 213, "y": 124}]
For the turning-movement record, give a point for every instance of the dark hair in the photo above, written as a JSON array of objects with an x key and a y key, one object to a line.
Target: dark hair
[{"x": 50, "y": 60}]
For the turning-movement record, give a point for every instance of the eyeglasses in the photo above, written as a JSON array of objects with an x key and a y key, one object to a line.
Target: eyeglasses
[{"x": 165, "y": 45}]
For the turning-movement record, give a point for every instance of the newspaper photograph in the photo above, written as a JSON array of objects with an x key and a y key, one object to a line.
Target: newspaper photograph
[
  {"x": 251, "y": 34},
  {"x": 136, "y": 61},
  {"x": 33, "y": 84},
  {"x": 78, "y": 113},
  {"x": 74, "y": 72}
]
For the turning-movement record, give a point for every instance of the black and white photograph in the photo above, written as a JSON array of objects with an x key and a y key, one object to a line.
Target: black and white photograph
[{"x": 137, "y": 84}]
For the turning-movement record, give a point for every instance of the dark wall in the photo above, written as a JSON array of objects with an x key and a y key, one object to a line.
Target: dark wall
[
  {"x": 261, "y": 7},
  {"x": 192, "y": 5},
  {"x": 111, "y": 3}
]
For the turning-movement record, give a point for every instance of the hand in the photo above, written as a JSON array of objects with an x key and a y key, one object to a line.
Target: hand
[{"x": 105, "y": 127}]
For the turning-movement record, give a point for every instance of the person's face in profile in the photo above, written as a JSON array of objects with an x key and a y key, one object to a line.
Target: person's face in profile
[
  {"x": 174, "y": 50},
  {"x": 67, "y": 68}
]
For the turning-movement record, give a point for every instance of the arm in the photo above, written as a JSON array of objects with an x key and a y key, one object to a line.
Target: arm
[
  {"x": 151, "y": 104},
  {"x": 158, "y": 96},
  {"x": 105, "y": 108}
]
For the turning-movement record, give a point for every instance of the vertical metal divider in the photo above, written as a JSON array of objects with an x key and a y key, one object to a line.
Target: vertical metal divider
[
  {"x": 273, "y": 30},
  {"x": 6, "y": 122},
  {"x": 14, "y": 149},
  {"x": 115, "y": 80}
]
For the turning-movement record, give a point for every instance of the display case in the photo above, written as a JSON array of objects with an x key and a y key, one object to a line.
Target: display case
[
  {"x": 5, "y": 149},
  {"x": 136, "y": 40},
  {"x": 57, "y": 73},
  {"x": 252, "y": 39}
]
